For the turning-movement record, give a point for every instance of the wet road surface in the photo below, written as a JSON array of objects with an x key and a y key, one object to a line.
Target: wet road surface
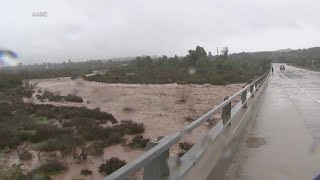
[{"x": 288, "y": 121}]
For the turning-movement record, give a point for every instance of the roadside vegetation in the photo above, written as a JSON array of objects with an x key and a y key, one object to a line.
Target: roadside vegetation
[{"x": 304, "y": 58}]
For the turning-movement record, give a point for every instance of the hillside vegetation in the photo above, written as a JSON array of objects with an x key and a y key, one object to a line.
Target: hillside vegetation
[
  {"x": 305, "y": 58},
  {"x": 197, "y": 67},
  {"x": 64, "y": 69}
]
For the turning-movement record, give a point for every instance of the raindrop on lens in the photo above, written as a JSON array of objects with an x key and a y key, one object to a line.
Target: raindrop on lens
[{"x": 192, "y": 71}]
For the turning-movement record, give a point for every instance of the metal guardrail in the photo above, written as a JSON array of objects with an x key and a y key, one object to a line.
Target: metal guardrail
[{"x": 154, "y": 160}]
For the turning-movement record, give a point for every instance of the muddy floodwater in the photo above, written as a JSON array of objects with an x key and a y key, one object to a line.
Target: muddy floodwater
[{"x": 159, "y": 107}]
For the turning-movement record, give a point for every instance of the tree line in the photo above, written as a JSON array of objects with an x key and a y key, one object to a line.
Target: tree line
[{"x": 197, "y": 67}]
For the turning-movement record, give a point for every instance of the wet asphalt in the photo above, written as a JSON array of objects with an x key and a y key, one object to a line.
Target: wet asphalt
[
  {"x": 288, "y": 119},
  {"x": 303, "y": 87}
]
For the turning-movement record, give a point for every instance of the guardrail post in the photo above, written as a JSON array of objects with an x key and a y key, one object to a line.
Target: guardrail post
[
  {"x": 244, "y": 99},
  {"x": 159, "y": 166},
  {"x": 226, "y": 112},
  {"x": 164, "y": 168},
  {"x": 262, "y": 79},
  {"x": 251, "y": 90}
]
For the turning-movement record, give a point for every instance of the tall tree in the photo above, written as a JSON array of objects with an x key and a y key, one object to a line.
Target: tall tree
[
  {"x": 195, "y": 55},
  {"x": 225, "y": 52}
]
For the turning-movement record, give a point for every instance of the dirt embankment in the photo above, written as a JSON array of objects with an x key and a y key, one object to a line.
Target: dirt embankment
[{"x": 163, "y": 109}]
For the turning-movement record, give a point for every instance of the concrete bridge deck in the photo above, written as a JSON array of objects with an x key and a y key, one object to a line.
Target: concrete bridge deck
[{"x": 288, "y": 128}]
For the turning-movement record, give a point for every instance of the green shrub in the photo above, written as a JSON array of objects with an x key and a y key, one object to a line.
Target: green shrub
[
  {"x": 138, "y": 142},
  {"x": 50, "y": 96},
  {"x": 184, "y": 147},
  {"x": 96, "y": 149},
  {"x": 111, "y": 165},
  {"x": 56, "y": 98},
  {"x": 25, "y": 92},
  {"x": 9, "y": 81},
  {"x": 21, "y": 122},
  {"x": 92, "y": 132},
  {"x": 26, "y": 134},
  {"x": 47, "y": 94},
  {"x": 114, "y": 138},
  {"x": 134, "y": 128},
  {"x": 44, "y": 132},
  {"x": 73, "y": 98},
  {"x": 11, "y": 173},
  {"x": 24, "y": 152},
  {"x": 8, "y": 138},
  {"x": 129, "y": 128},
  {"x": 68, "y": 112},
  {"x": 64, "y": 143},
  {"x": 74, "y": 76},
  {"x": 51, "y": 167},
  {"x": 85, "y": 172}
]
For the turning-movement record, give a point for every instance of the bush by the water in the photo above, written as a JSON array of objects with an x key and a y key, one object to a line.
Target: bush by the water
[
  {"x": 50, "y": 96},
  {"x": 52, "y": 128},
  {"x": 96, "y": 148},
  {"x": 68, "y": 112},
  {"x": 138, "y": 142},
  {"x": 111, "y": 165},
  {"x": 50, "y": 168},
  {"x": 129, "y": 128},
  {"x": 9, "y": 81},
  {"x": 85, "y": 172},
  {"x": 184, "y": 147},
  {"x": 11, "y": 173},
  {"x": 62, "y": 128}
]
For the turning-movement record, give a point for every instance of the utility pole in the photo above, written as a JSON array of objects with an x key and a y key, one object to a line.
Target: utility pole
[{"x": 217, "y": 52}]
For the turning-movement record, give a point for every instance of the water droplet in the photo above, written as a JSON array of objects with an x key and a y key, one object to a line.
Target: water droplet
[
  {"x": 174, "y": 163},
  {"x": 8, "y": 58},
  {"x": 79, "y": 82},
  {"x": 192, "y": 71}
]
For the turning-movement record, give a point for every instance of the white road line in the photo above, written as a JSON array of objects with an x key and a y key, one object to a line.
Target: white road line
[{"x": 300, "y": 88}]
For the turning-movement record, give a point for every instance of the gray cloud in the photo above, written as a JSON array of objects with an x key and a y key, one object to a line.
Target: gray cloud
[{"x": 82, "y": 29}]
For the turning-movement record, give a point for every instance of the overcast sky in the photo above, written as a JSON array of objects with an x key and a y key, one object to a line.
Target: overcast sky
[{"x": 96, "y": 29}]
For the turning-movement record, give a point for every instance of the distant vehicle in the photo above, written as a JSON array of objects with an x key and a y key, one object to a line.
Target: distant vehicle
[{"x": 282, "y": 67}]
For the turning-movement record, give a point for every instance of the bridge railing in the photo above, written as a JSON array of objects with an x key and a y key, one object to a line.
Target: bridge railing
[{"x": 156, "y": 162}]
